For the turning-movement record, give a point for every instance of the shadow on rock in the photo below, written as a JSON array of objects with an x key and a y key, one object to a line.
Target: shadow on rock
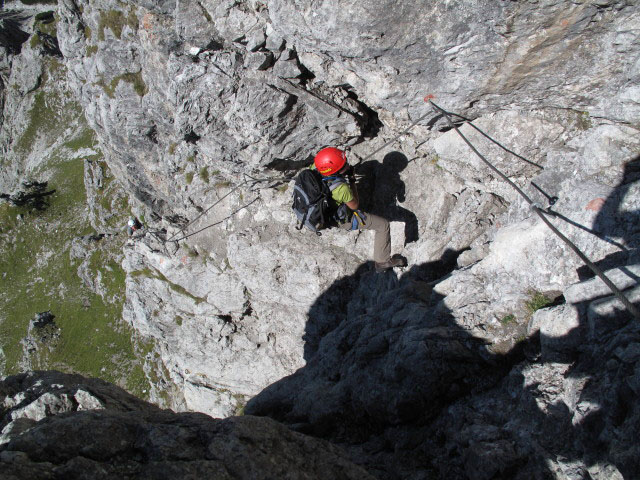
[
  {"x": 410, "y": 393},
  {"x": 383, "y": 357},
  {"x": 571, "y": 409},
  {"x": 383, "y": 192}
]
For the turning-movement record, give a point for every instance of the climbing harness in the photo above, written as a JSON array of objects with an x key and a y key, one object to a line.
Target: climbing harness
[
  {"x": 541, "y": 213},
  {"x": 359, "y": 219}
]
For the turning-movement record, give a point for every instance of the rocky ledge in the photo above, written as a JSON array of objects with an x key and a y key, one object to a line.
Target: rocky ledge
[{"x": 59, "y": 426}]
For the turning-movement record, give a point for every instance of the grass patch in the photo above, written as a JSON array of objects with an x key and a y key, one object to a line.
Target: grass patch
[
  {"x": 189, "y": 177},
  {"x": 584, "y": 121},
  {"x": 35, "y": 41},
  {"x": 508, "y": 319},
  {"x": 48, "y": 117},
  {"x": 537, "y": 300},
  {"x": 204, "y": 174},
  {"x": 52, "y": 110},
  {"x": 86, "y": 139},
  {"x": 116, "y": 20},
  {"x": 152, "y": 273},
  {"x": 37, "y": 271},
  {"x": 38, "y": 274},
  {"x": 55, "y": 67},
  {"x": 92, "y": 50},
  {"x": 135, "y": 79},
  {"x": 240, "y": 405},
  {"x": 46, "y": 24},
  {"x": 172, "y": 148}
]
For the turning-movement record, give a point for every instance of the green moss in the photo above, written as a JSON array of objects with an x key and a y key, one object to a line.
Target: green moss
[
  {"x": 115, "y": 20},
  {"x": 35, "y": 41},
  {"x": 584, "y": 121},
  {"x": 172, "y": 148},
  {"x": 50, "y": 28},
  {"x": 55, "y": 67},
  {"x": 191, "y": 158},
  {"x": 145, "y": 273},
  {"x": 87, "y": 32},
  {"x": 537, "y": 301},
  {"x": 508, "y": 319},
  {"x": 204, "y": 174},
  {"x": 189, "y": 177},
  {"x": 178, "y": 320},
  {"x": 92, "y": 50},
  {"x": 205, "y": 13},
  {"x": 135, "y": 79},
  {"x": 180, "y": 290},
  {"x": 152, "y": 273}
]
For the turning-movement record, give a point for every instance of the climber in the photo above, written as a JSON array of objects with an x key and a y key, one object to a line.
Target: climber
[
  {"x": 332, "y": 164},
  {"x": 133, "y": 225}
]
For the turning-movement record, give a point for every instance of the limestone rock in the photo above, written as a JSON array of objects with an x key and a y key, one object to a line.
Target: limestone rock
[
  {"x": 447, "y": 369},
  {"x": 131, "y": 438}
]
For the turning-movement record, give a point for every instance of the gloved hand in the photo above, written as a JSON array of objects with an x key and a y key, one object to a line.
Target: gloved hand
[{"x": 350, "y": 174}]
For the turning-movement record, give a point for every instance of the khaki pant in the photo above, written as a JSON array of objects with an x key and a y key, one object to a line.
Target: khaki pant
[{"x": 382, "y": 240}]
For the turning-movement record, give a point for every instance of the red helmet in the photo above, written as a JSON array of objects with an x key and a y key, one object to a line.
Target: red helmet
[{"x": 330, "y": 160}]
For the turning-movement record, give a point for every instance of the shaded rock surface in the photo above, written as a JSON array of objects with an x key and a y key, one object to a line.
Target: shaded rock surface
[{"x": 66, "y": 426}]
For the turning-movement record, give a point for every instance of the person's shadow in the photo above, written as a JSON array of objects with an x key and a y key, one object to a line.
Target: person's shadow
[
  {"x": 383, "y": 191},
  {"x": 618, "y": 221}
]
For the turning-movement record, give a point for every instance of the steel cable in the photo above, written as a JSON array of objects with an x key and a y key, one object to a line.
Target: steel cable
[
  {"x": 541, "y": 213},
  {"x": 249, "y": 180}
]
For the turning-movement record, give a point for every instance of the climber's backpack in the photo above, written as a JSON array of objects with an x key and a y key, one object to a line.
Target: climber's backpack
[{"x": 312, "y": 202}]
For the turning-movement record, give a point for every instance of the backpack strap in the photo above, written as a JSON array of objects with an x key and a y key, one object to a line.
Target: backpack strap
[
  {"x": 306, "y": 213},
  {"x": 334, "y": 182},
  {"x": 342, "y": 212}
]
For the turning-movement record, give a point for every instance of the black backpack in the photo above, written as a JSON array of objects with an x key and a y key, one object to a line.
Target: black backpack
[{"x": 312, "y": 202}]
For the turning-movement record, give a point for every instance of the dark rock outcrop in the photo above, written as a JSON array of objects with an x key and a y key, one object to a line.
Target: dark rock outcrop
[{"x": 68, "y": 427}]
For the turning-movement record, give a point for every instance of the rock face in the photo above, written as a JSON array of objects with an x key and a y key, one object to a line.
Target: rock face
[
  {"x": 67, "y": 426},
  {"x": 496, "y": 354}
]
